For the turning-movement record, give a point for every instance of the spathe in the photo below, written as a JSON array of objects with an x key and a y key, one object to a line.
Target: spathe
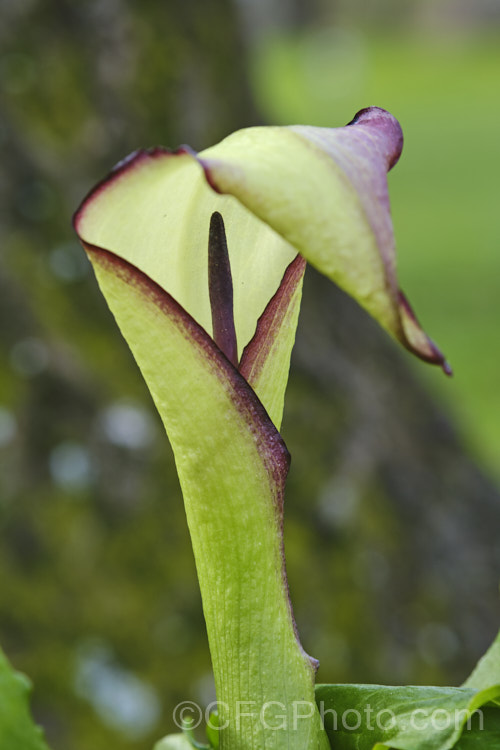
[{"x": 211, "y": 321}]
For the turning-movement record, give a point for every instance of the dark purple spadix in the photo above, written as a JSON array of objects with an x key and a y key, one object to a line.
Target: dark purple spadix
[{"x": 220, "y": 289}]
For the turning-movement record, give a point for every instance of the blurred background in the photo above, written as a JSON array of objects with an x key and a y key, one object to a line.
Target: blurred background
[{"x": 393, "y": 506}]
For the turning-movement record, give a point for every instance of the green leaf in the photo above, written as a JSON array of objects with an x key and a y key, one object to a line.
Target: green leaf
[
  {"x": 368, "y": 717},
  {"x": 484, "y": 733},
  {"x": 232, "y": 467},
  {"x": 17, "y": 729},
  {"x": 487, "y": 672}
]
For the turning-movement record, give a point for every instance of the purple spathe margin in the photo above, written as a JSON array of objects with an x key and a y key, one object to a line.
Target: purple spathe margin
[
  {"x": 256, "y": 351},
  {"x": 435, "y": 357},
  {"x": 121, "y": 169}
]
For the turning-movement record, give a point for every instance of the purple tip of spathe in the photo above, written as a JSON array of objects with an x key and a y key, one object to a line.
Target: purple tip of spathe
[{"x": 386, "y": 127}]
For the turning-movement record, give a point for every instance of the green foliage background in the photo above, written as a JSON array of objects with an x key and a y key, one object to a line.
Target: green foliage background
[{"x": 98, "y": 594}]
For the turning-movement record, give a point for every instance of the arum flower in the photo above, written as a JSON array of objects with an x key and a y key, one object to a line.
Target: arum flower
[{"x": 201, "y": 259}]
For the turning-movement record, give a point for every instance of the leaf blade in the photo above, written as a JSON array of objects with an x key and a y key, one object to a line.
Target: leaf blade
[
  {"x": 17, "y": 729},
  {"x": 415, "y": 717},
  {"x": 487, "y": 671}
]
